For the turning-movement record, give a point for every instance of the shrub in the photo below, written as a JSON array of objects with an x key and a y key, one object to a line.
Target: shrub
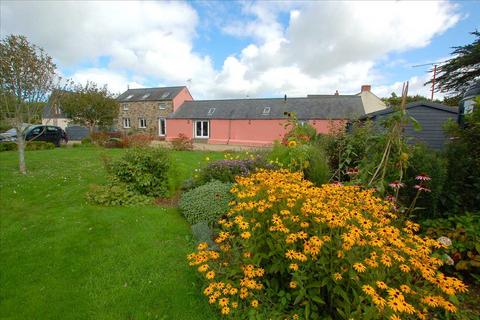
[
  {"x": 116, "y": 195},
  {"x": 227, "y": 169},
  {"x": 99, "y": 137},
  {"x": 425, "y": 161},
  {"x": 206, "y": 203},
  {"x": 39, "y": 145},
  {"x": 138, "y": 140},
  {"x": 289, "y": 250},
  {"x": 300, "y": 133},
  {"x": 182, "y": 143},
  {"x": 86, "y": 140},
  {"x": 310, "y": 159},
  {"x": 114, "y": 143},
  {"x": 144, "y": 170},
  {"x": 464, "y": 232},
  {"x": 8, "y": 146}
]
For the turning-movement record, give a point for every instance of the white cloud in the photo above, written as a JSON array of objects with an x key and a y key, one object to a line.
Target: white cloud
[{"x": 324, "y": 46}]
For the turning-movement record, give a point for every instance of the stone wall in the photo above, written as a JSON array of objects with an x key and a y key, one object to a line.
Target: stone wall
[{"x": 143, "y": 109}]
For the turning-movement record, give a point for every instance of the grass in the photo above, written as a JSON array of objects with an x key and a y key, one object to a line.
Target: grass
[{"x": 62, "y": 258}]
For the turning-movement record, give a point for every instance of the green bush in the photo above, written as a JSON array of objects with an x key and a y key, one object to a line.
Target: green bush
[
  {"x": 116, "y": 195},
  {"x": 425, "y": 161},
  {"x": 8, "y": 146},
  {"x": 310, "y": 159},
  {"x": 206, "y": 203},
  {"x": 39, "y": 145},
  {"x": 182, "y": 143},
  {"x": 462, "y": 192},
  {"x": 87, "y": 140},
  {"x": 114, "y": 143},
  {"x": 464, "y": 233},
  {"x": 144, "y": 170}
]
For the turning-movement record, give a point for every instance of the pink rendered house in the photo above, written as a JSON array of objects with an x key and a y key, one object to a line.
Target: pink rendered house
[{"x": 259, "y": 122}]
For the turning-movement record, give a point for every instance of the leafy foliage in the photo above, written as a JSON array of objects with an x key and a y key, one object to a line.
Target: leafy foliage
[
  {"x": 182, "y": 143},
  {"x": 464, "y": 233},
  {"x": 31, "y": 146},
  {"x": 27, "y": 76},
  {"x": 117, "y": 194},
  {"x": 462, "y": 192},
  {"x": 292, "y": 250},
  {"x": 206, "y": 203},
  {"x": 89, "y": 105},
  {"x": 456, "y": 75},
  {"x": 144, "y": 170}
]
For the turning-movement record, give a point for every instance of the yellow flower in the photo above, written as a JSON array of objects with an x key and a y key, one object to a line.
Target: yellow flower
[
  {"x": 359, "y": 267},
  {"x": 292, "y": 143},
  {"x": 207, "y": 159},
  {"x": 245, "y": 235},
  {"x": 223, "y": 302},
  {"x": 202, "y": 246},
  {"x": 293, "y": 266},
  {"x": 381, "y": 285},
  {"x": 293, "y": 284},
  {"x": 337, "y": 276},
  {"x": 203, "y": 268},
  {"x": 254, "y": 303},
  {"x": 210, "y": 274},
  {"x": 395, "y": 317},
  {"x": 368, "y": 290},
  {"x": 225, "y": 310}
]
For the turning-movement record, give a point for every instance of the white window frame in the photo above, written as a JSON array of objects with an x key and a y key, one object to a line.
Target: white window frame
[
  {"x": 201, "y": 130},
  {"x": 126, "y": 123},
  {"x": 160, "y": 134},
  {"x": 140, "y": 123},
  {"x": 266, "y": 111},
  {"x": 162, "y": 106},
  {"x": 125, "y": 107},
  {"x": 211, "y": 111}
]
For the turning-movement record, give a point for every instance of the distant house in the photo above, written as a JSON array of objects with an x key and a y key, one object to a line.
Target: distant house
[
  {"x": 53, "y": 115},
  {"x": 259, "y": 122},
  {"x": 147, "y": 109},
  {"x": 431, "y": 116}
]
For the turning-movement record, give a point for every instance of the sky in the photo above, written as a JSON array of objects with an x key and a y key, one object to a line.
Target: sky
[{"x": 238, "y": 49}]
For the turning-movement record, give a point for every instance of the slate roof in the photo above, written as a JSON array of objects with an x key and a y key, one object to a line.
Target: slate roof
[
  {"x": 319, "y": 107},
  {"x": 433, "y": 105},
  {"x": 150, "y": 94}
]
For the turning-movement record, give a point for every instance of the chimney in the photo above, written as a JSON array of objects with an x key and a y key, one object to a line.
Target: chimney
[
  {"x": 285, "y": 98},
  {"x": 336, "y": 92},
  {"x": 366, "y": 88}
]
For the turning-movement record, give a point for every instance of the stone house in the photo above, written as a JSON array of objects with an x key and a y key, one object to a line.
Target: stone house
[{"x": 147, "y": 109}]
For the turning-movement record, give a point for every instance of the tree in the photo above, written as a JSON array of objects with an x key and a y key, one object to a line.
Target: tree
[
  {"x": 89, "y": 105},
  {"x": 457, "y": 73},
  {"x": 27, "y": 76}
]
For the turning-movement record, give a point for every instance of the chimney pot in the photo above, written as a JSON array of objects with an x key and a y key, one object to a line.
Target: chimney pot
[
  {"x": 336, "y": 92},
  {"x": 285, "y": 98},
  {"x": 366, "y": 88}
]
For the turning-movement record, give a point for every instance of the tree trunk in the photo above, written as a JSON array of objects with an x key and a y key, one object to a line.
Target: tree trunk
[{"x": 21, "y": 152}]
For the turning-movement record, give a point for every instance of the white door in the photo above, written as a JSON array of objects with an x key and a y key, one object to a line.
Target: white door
[{"x": 162, "y": 127}]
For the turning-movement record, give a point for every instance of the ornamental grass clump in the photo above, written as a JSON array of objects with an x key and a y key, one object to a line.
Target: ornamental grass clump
[{"x": 291, "y": 250}]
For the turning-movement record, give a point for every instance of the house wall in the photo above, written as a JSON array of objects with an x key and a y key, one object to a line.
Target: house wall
[
  {"x": 143, "y": 109},
  {"x": 431, "y": 121},
  {"x": 180, "y": 98},
  {"x": 59, "y": 122},
  {"x": 371, "y": 102},
  {"x": 242, "y": 132}
]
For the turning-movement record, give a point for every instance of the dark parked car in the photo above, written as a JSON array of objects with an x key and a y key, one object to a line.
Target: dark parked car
[{"x": 52, "y": 134}]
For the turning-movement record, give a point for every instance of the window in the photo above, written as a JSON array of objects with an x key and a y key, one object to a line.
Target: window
[
  {"x": 145, "y": 96},
  {"x": 211, "y": 111},
  {"x": 125, "y": 107},
  {"x": 302, "y": 122},
  {"x": 52, "y": 129},
  {"x": 165, "y": 94},
  {"x": 129, "y": 97},
  {"x": 162, "y": 127},
  {"x": 162, "y": 106},
  {"x": 126, "y": 123},
  {"x": 142, "y": 122},
  {"x": 201, "y": 129},
  {"x": 266, "y": 111}
]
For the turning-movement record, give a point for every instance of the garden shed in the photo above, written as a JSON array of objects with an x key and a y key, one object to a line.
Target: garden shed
[{"x": 431, "y": 117}]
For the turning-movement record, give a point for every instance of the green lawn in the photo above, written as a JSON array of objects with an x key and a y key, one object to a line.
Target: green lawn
[{"x": 62, "y": 258}]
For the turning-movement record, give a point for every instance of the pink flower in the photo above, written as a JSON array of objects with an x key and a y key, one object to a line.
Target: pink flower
[
  {"x": 422, "y": 188},
  {"x": 422, "y": 177},
  {"x": 337, "y": 183},
  {"x": 396, "y": 185},
  {"x": 390, "y": 198}
]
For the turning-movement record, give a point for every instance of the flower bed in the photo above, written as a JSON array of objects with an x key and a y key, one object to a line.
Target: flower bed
[{"x": 289, "y": 250}]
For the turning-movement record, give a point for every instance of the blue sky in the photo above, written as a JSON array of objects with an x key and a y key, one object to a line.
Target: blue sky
[{"x": 238, "y": 49}]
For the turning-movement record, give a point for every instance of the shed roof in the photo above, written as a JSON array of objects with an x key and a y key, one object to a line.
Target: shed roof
[
  {"x": 150, "y": 94},
  {"x": 319, "y": 107},
  {"x": 50, "y": 113},
  {"x": 428, "y": 104}
]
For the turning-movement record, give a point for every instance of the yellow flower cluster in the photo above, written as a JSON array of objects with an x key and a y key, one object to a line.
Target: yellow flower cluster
[{"x": 351, "y": 233}]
